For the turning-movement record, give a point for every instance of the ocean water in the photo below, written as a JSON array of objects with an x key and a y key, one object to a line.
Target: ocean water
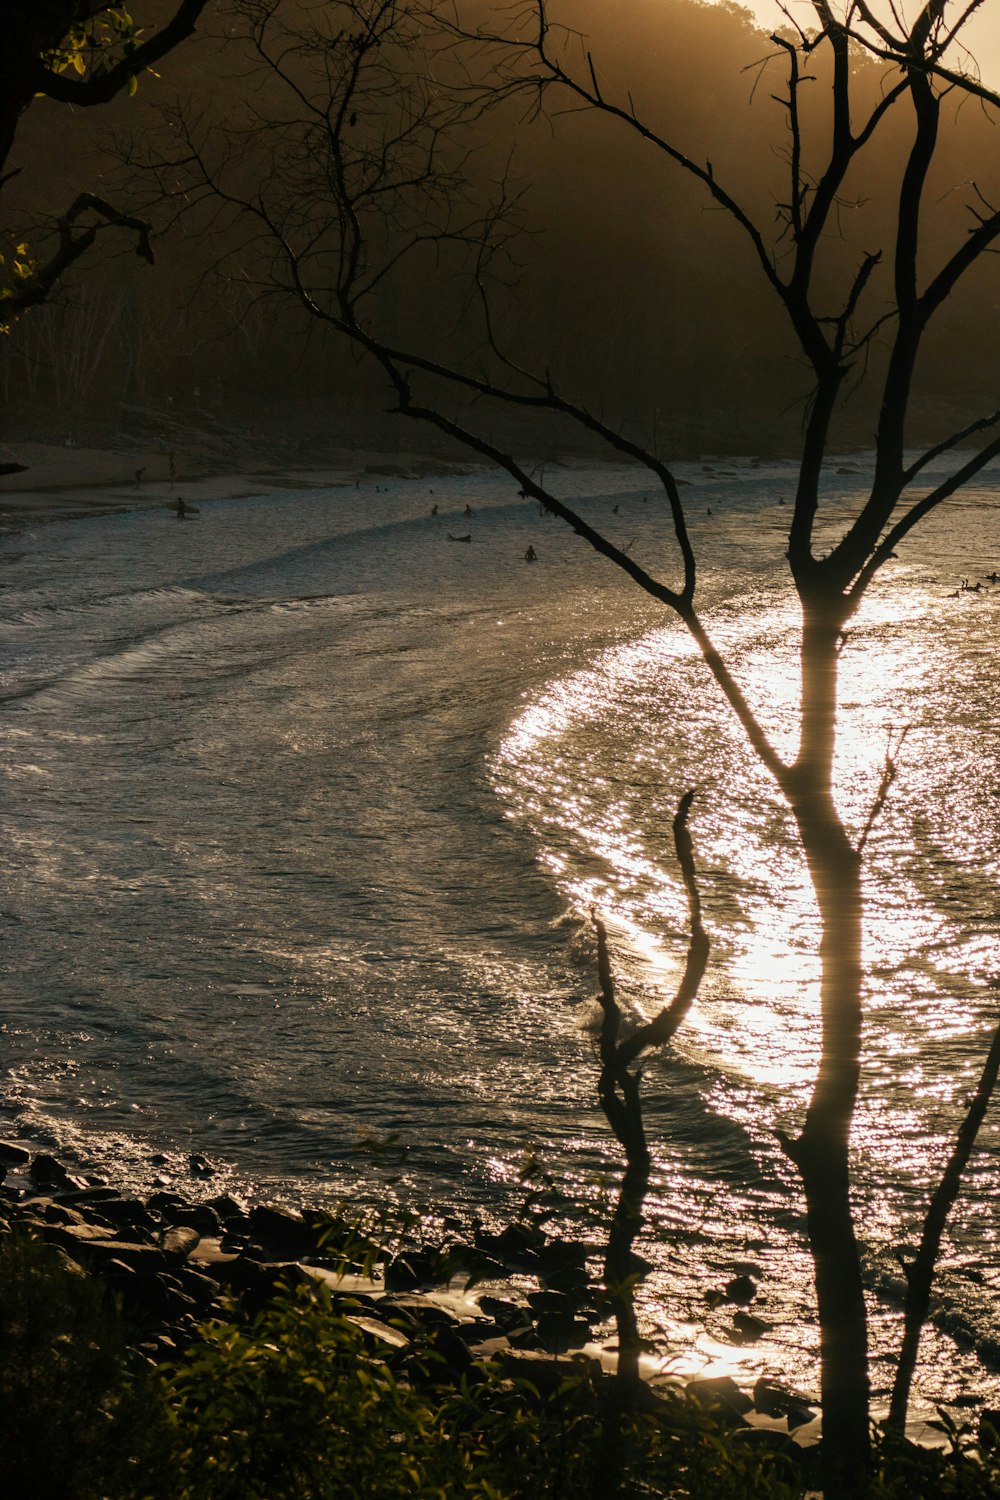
[{"x": 306, "y": 804}]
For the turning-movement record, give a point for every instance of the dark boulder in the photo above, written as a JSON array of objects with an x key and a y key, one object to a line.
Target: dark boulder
[
  {"x": 773, "y": 1399},
  {"x": 48, "y": 1172},
  {"x": 741, "y": 1290},
  {"x": 720, "y": 1394},
  {"x": 558, "y": 1332},
  {"x": 286, "y": 1232},
  {"x": 508, "y": 1316},
  {"x": 179, "y": 1241}
]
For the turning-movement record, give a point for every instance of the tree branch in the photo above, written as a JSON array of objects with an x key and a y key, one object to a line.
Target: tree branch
[
  {"x": 920, "y": 1271},
  {"x": 104, "y": 85},
  {"x": 73, "y": 243}
]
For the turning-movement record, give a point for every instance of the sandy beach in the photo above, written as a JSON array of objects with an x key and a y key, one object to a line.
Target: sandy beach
[{"x": 60, "y": 483}]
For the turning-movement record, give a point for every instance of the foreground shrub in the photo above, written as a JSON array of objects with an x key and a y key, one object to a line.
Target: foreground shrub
[
  {"x": 302, "y": 1402},
  {"x": 74, "y": 1414},
  {"x": 296, "y": 1404}
]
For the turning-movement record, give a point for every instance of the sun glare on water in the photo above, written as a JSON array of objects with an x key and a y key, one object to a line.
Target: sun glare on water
[{"x": 596, "y": 764}]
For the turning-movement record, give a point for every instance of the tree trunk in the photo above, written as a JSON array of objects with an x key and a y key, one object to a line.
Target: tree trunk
[{"x": 822, "y": 1150}]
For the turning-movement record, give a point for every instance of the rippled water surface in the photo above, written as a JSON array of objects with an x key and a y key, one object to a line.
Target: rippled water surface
[{"x": 306, "y": 804}]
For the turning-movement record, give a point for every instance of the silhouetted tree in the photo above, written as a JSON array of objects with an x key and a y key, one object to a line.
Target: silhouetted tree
[
  {"x": 358, "y": 168},
  {"x": 621, "y": 1052}
]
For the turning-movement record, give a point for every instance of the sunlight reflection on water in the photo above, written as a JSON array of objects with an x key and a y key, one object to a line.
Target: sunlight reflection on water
[{"x": 305, "y": 814}]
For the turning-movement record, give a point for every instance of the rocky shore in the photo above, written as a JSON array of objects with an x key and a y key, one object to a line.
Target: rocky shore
[{"x": 521, "y": 1299}]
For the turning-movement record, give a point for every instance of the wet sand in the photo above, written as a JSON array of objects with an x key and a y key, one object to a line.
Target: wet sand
[{"x": 69, "y": 483}]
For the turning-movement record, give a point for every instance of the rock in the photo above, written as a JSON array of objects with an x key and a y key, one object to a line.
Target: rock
[
  {"x": 70, "y": 1266},
  {"x": 48, "y": 1211},
  {"x": 12, "y": 1155},
  {"x": 144, "y": 1296},
  {"x": 180, "y": 1241},
  {"x": 242, "y": 1275},
  {"x": 477, "y": 1331},
  {"x": 440, "y": 1357},
  {"x": 524, "y": 1338},
  {"x": 227, "y": 1207},
  {"x": 174, "y": 1210},
  {"x": 379, "y": 1335},
  {"x": 77, "y": 1233},
  {"x": 721, "y": 1394},
  {"x": 130, "y": 1213},
  {"x": 558, "y": 1332},
  {"x": 87, "y": 1195},
  {"x": 288, "y": 1232},
  {"x": 259, "y": 1282},
  {"x": 516, "y": 1246},
  {"x": 562, "y": 1265},
  {"x": 741, "y": 1289},
  {"x": 748, "y": 1328},
  {"x": 203, "y": 1290},
  {"x": 414, "y": 1268},
  {"x": 49, "y": 1172},
  {"x": 506, "y": 1315},
  {"x": 165, "y": 1203},
  {"x": 765, "y": 1440},
  {"x": 550, "y": 1302},
  {"x": 200, "y": 1166},
  {"x": 93, "y": 1250},
  {"x": 544, "y": 1372},
  {"x": 423, "y": 1313},
  {"x": 476, "y": 1265},
  {"x": 773, "y": 1399}
]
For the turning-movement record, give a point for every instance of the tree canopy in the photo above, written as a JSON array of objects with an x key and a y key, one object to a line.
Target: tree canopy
[{"x": 82, "y": 53}]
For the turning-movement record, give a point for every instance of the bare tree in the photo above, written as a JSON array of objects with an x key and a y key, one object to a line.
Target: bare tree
[
  {"x": 358, "y": 152},
  {"x": 619, "y": 1085}
]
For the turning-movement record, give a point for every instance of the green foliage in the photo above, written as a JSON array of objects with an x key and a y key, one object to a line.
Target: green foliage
[
  {"x": 71, "y": 1406},
  {"x": 304, "y": 1403},
  {"x": 88, "y": 46},
  {"x": 17, "y": 270},
  {"x": 968, "y": 1469},
  {"x": 295, "y": 1404}
]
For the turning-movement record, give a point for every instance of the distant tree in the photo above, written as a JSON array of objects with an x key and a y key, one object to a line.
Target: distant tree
[
  {"x": 83, "y": 53},
  {"x": 357, "y": 155}
]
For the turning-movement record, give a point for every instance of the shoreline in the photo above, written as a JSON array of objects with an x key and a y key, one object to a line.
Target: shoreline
[
  {"x": 521, "y": 1298},
  {"x": 522, "y": 1301},
  {"x": 65, "y": 483}
]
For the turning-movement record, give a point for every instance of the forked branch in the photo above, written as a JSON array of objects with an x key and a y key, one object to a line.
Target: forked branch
[
  {"x": 920, "y": 1271},
  {"x": 75, "y": 239},
  {"x": 618, "y": 1091}
]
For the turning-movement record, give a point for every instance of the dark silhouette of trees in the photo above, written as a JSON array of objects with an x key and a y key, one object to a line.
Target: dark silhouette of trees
[
  {"x": 358, "y": 151},
  {"x": 81, "y": 53},
  {"x": 621, "y": 1049}
]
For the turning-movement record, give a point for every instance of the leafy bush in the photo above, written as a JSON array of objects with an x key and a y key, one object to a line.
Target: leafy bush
[
  {"x": 303, "y": 1403},
  {"x": 295, "y": 1404},
  {"x": 72, "y": 1403}
]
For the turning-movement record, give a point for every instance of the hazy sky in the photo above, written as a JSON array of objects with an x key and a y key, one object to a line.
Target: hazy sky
[{"x": 983, "y": 32}]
